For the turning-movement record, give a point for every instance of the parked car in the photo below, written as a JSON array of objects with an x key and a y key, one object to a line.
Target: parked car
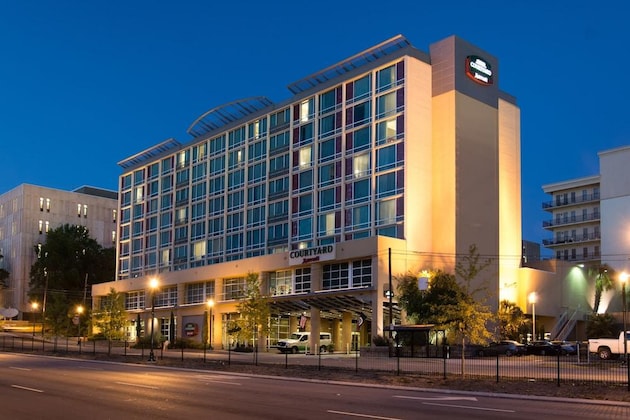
[
  {"x": 505, "y": 347},
  {"x": 543, "y": 348},
  {"x": 566, "y": 347}
]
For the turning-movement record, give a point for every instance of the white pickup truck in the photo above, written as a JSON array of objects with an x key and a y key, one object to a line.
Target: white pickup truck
[{"x": 608, "y": 348}]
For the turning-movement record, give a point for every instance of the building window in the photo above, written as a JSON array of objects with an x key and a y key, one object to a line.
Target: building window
[
  {"x": 41, "y": 226},
  {"x": 166, "y": 296},
  {"x": 134, "y": 300},
  {"x": 199, "y": 292},
  {"x": 362, "y": 273},
  {"x": 47, "y": 226},
  {"x": 48, "y": 205},
  {"x": 303, "y": 280},
  {"x": 280, "y": 283},
  {"x": 326, "y": 224},
  {"x": 386, "y": 78},
  {"x": 79, "y": 210},
  {"x": 85, "y": 210},
  {"x": 335, "y": 276},
  {"x": 41, "y": 203},
  {"x": 217, "y": 145},
  {"x": 233, "y": 288},
  {"x": 279, "y": 119},
  {"x": 359, "y": 89}
]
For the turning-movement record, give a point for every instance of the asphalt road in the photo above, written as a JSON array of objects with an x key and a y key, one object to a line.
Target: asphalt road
[{"x": 40, "y": 387}]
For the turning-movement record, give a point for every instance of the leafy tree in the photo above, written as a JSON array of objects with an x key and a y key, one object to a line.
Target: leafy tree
[
  {"x": 602, "y": 276},
  {"x": 451, "y": 305},
  {"x": 254, "y": 310},
  {"x": 112, "y": 318},
  {"x": 67, "y": 264},
  {"x": 512, "y": 321},
  {"x": 600, "y": 325},
  {"x": 4, "y": 275}
]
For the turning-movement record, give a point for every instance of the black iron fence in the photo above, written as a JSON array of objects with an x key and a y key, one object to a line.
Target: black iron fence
[{"x": 446, "y": 362}]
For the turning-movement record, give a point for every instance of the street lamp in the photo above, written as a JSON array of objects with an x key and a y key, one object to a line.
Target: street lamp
[
  {"x": 532, "y": 299},
  {"x": 34, "y": 306},
  {"x": 153, "y": 283},
  {"x": 624, "y": 280},
  {"x": 79, "y": 313},
  {"x": 210, "y": 304}
]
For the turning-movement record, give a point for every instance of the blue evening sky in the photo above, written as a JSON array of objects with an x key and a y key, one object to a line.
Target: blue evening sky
[{"x": 86, "y": 84}]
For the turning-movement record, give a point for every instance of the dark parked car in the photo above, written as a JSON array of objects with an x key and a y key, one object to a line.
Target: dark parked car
[
  {"x": 505, "y": 347},
  {"x": 543, "y": 348},
  {"x": 566, "y": 347}
]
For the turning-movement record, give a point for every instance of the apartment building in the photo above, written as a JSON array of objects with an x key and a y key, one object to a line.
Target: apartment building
[
  {"x": 28, "y": 212},
  {"x": 392, "y": 161},
  {"x": 575, "y": 220}
]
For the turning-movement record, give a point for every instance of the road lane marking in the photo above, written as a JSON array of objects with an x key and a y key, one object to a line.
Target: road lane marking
[
  {"x": 367, "y": 416},
  {"x": 216, "y": 380},
  {"x": 26, "y": 388},
  {"x": 137, "y": 385},
  {"x": 19, "y": 368},
  {"x": 470, "y": 407},
  {"x": 436, "y": 398}
]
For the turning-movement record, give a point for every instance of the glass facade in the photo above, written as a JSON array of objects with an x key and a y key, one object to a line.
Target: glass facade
[{"x": 324, "y": 169}]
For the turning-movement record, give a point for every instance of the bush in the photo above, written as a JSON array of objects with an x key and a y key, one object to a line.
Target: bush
[{"x": 380, "y": 341}]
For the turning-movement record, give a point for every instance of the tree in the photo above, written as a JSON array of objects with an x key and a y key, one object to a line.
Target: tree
[
  {"x": 600, "y": 325},
  {"x": 112, "y": 318},
  {"x": 451, "y": 305},
  {"x": 602, "y": 276},
  {"x": 254, "y": 310},
  {"x": 512, "y": 321},
  {"x": 67, "y": 264},
  {"x": 4, "y": 275}
]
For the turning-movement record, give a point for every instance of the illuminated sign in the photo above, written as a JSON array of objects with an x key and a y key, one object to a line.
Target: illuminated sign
[
  {"x": 479, "y": 70},
  {"x": 308, "y": 255}
]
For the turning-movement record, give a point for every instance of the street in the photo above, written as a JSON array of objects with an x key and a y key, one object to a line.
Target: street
[{"x": 61, "y": 388}]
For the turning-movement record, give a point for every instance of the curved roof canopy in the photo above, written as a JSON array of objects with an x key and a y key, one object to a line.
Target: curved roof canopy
[
  {"x": 227, "y": 113},
  {"x": 150, "y": 153},
  {"x": 384, "y": 48}
]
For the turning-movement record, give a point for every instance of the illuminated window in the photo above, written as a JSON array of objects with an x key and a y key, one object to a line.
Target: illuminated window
[
  {"x": 361, "y": 165},
  {"x": 326, "y": 224},
  {"x": 114, "y": 215},
  {"x": 233, "y": 288},
  {"x": 48, "y": 204},
  {"x": 41, "y": 226},
  {"x": 79, "y": 210},
  {"x": 85, "y": 210},
  {"x": 41, "y": 203},
  {"x": 47, "y": 226},
  {"x": 306, "y": 110},
  {"x": 113, "y": 236},
  {"x": 198, "y": 250},
  {"x": 305, "y": 157}
]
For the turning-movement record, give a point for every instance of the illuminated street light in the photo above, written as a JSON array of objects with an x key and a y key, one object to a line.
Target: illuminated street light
[
  {"x": 153, "y": 283},
  {"x": 34, "y": 306},
  {"x": 210, "y": 304},
  {"x": 533, "y": 298},
  {"x": 624, "y": 279},
  {"x": 79, "y": 313}
]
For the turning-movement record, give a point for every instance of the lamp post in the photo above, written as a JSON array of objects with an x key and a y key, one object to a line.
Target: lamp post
[
  {"x": 624, "y": 280},
  {"x": 210, "y": 304},
  {"x": 532, "y": 299},
  {"x": 79, "y": 313},
  {"x": 34, "y": 306},
  {"x": 153, "y": 283}
]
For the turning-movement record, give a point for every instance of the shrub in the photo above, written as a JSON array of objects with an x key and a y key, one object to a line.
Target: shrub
[{"x": 380, "y": 341}]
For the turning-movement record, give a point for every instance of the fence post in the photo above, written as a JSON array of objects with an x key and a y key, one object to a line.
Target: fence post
[
  {"x": 558, "y": 366},
  {"x": 497, "y": 367}
]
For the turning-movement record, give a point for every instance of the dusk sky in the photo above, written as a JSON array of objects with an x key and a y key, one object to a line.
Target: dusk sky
[{"x": 84, "y": 85}]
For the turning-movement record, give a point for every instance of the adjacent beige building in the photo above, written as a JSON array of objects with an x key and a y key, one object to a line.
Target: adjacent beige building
[{"x": 27, "y": 212}]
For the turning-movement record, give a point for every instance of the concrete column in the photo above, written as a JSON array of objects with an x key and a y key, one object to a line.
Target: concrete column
[
  {"x": 346, "y": 331},
  {"x": 315, "y": 330},
  {"x": 293, "y": 324}
]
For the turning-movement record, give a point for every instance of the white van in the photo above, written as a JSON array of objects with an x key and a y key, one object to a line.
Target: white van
[{"x": 300, "y": 342}]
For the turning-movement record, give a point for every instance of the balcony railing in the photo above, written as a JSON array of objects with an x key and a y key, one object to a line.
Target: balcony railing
[
  {"x": 568, "y": 220},
  {"x": 595, "y": 236},
  {"x": 569, "y": 202}
]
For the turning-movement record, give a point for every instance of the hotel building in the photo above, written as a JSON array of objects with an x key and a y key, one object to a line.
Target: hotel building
[
  {"x": 28, "y": 212},
  {"x": 390, "y": 162}
]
